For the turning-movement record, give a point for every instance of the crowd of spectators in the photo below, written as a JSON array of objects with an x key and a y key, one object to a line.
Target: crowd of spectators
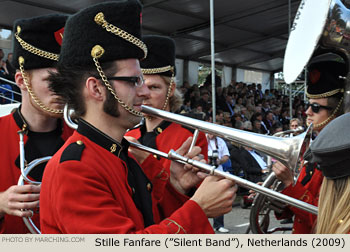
[
  {"x": 244, "y": 106},
  {"x": 7, "y": 71}
]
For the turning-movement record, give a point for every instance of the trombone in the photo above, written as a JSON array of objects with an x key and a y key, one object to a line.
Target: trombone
[
  {"x": 286, "y": 150},
  {"x": 172, "y": 155}
]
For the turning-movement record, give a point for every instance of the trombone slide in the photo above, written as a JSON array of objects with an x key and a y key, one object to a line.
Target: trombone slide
[{"x": 242, "y": 182}]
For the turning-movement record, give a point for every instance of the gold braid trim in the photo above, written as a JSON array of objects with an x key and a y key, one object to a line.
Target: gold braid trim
[
  {"x": 325, "y": 95},
  {"x": 331, "y": 117},
  {"x": 172, "y": 81},
  {"x": 96, "y": 52},
  {"x": 30, "y": 91},
  {"x": 168, "y": 94},
  {"x": 305, "y": 197},
  {"x": 157, "y": 70},
  {"x": 161, "y": 177},
  {"x": 179, "y": 226},
  {"x": 33, "y": 49},
  {"x": 100, "y": 20}
]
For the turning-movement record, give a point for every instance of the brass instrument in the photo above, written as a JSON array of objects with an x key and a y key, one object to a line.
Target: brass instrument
[
  {"x": 286, "y": 150},
  {"x": 318, "y": 27},
  {"x": 172, "y": 155},
  {"x": 25, "y": 169},
  {"x": 259, "y": 217}
]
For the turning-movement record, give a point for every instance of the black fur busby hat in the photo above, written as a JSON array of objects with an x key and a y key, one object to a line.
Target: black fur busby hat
[
  {"x": 161, "y": 56},
  {"x": 331, "y": 149},
  {"x": 325, "y": 79},
  {"x": 108, "y": 31},
  {"x": 38, "y": 40}
]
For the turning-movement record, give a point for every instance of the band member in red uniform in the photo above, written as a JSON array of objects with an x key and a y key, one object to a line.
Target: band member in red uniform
[
  {"x": 36, "y": 48},
  {"x": 325, "y": 92},
  {"x": 159, "y": 73},
  {"x": 331, "y": 152},
  {"x": 92, "y": 184}
]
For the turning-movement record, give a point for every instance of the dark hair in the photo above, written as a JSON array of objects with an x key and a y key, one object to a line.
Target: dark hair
[
  {"x": 68, "y": 82},
  {"x": 333, "y": 102}
]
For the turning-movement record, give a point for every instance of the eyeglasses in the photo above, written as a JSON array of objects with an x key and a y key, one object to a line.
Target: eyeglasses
[
  {"x": 138, "y": 81},
  {"x": 315, "y": 107}
]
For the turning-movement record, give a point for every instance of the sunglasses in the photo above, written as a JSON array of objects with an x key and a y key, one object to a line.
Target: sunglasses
[
  {"x": 138, "y": 81},
  {"x": 315, "y": 107}
]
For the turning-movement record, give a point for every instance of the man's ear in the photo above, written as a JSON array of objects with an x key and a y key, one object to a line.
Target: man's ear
[
  {"x": 20, "y": 81},
  {"x": 95, "y": 88}
]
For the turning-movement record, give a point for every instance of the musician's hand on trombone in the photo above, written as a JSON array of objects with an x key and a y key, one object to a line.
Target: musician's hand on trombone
[
  {"x": 253, "y": 193},
  {"x": 138, "y": 154},
  {"x": 185, "y": 177},
  {"x": 215, "y": 196},
  {"x": 283, "y": 173},
  {"x": 18, "y": 200}
]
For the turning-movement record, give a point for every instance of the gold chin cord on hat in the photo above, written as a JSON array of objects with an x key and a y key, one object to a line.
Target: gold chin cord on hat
[
  {"x": 31, "y": 93},
  {"x": 41, "y": 53},
  {"x": 96, "y": 52}
]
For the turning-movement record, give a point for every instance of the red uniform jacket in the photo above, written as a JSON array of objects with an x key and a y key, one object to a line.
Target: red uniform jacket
[
  {"x": 164, "y": 137},
  {"x": 9, "y": 157},
  {"x": 309, "y": 192},
  {"x": 87, "y": 189}
]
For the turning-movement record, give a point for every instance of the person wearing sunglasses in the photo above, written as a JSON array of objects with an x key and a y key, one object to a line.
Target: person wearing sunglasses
[
  {"x": 325, "y": 92},
  {"x": 159, "y": 72},
  {"x": 331, "y": 151},
  {"x": 93, "y": 184}
]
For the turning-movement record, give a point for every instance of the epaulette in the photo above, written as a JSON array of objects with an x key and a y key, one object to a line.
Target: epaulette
[{"x": 73, "y": 151}]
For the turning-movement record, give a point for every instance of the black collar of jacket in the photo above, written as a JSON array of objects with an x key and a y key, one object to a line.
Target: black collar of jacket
[
  {"x": 100, "y": 138},
  {"x": 22, "y": 123},
  {"x": 157, "y": 130}
]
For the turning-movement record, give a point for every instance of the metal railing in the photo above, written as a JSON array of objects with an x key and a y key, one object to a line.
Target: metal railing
[
  {"x": 6, "y": 91},
  {"x": 298, "y": 87}
]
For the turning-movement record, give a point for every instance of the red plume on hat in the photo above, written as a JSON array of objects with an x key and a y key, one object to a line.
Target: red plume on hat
[
  {"x": 59, "y": 35},
  {"x": 314, "y": 76}
]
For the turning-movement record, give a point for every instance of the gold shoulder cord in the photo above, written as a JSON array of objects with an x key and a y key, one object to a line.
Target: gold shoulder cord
[
  {"x": 158, "y": 71},
  {"x": 30, "y": 91},
  {"x": 96, "y": 52}
]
